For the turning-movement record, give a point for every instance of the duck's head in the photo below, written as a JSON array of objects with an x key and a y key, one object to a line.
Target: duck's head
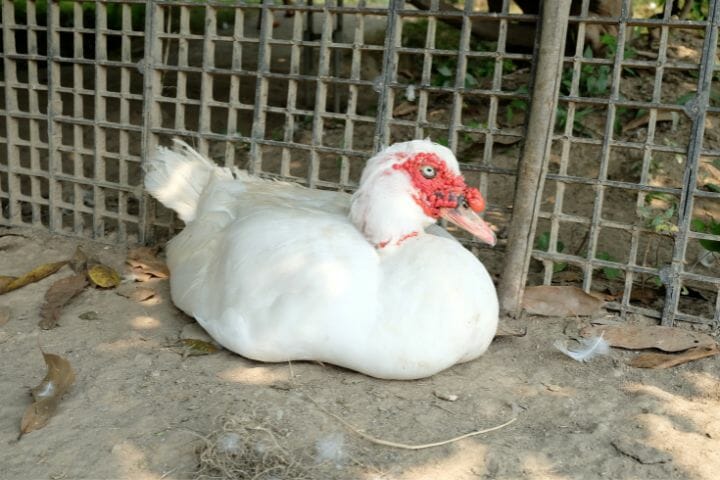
[{"x": 409, "y": 186}]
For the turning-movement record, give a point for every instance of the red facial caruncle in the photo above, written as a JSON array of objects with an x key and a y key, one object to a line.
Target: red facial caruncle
[{"x": 438, "y": 187}]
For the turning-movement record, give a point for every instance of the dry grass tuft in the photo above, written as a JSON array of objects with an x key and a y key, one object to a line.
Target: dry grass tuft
[{"x": 244, "y": 449}]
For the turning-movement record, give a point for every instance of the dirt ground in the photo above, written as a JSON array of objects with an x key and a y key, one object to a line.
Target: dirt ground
[{"x": 139, "y": 409}]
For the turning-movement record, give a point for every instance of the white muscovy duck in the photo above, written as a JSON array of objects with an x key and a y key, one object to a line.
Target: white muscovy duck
[{"x": 275, "y": 271}]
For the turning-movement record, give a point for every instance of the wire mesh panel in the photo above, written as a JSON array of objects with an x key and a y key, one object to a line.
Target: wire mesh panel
[
  {"x": 631, "y": 198},
  {"x": 73, "y": 102},
  {"x": 24, "y": 173},
  {"x": 449, "y": 75},
  {"x": 307, "y": 90}
]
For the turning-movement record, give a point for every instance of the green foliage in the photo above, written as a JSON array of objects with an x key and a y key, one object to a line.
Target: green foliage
[
  {"x": 467, "y": 136},
  {"x": 516, "y": 105},
  {"x": 698, "y": 8},
  {"x": 562, "y": 114},
  {"x": 610, "y": 43},
  {"x": 659, "y": 219},
  {"x": 710, "y": 226},
  {"x": 543, "y": 243},
  {"x": 444, "y": 69},
  {"x": 595, "y": 79},
  {"x": 609, "y": 272},
  {"x": 67, "y": 13}
]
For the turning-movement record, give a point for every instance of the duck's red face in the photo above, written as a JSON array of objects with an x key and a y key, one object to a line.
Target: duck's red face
[{"x": 442, "y": 193}]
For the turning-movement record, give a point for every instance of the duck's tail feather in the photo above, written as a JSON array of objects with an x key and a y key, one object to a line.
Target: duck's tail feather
[{"x": 177, "y": 177}]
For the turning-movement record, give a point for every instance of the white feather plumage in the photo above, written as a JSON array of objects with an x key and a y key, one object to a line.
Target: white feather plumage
[
  {"x": 589, "y": 348},
  {"x": 279, "y": 272}
]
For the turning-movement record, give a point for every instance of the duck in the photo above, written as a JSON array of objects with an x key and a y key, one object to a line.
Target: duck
[{"x": 278, "y": 272}]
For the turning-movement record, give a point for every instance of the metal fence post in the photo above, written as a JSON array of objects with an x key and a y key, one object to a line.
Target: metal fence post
[
  {"x": 388, "y": 75},
  {"x": 533, "y": 163}
]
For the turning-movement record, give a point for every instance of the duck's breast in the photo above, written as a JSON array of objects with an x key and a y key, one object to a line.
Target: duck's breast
[{"x": 439, "y": 300}]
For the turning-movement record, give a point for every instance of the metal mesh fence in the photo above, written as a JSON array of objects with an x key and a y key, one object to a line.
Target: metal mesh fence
[
  {"x": 307, "y": 91},
  {"x": 631, "y": 198}
]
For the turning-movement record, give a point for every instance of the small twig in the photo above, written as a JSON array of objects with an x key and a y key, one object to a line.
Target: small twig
[
  {"x": 404, "y": 446},
  {"x": 168, "y": 472},
  {"x": 272, "y": 437},
  {"x": 292, "y": 373}
]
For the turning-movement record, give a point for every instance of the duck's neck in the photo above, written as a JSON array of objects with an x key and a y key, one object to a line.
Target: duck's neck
[{"x": 385, "y": 211}]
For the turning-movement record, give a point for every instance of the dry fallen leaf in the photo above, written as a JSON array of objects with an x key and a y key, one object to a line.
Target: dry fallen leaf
[
  {"x": 404, "y": 108},
  {"x": 143, "y": 260},
  {"x": 635, "y": 337},
  {"x": 5, "y": 280},
  {"x": 645, "y": 119},
  {"x": 32, "y": 276},
  {"x": 644, "y": 295},
  {"x": 137, "y": 294},
  {"x": 79, "y": 261},
  {"x": 192, "y": 347},
  {"x": 667, "y": 360},
  {"x": 505, "y": 331},
  {"x": 560, "y": 301},
  {"x": 60, "y": 376},
  {"x": 103, "y": 276},
  {"x": 57, "y": 296}
]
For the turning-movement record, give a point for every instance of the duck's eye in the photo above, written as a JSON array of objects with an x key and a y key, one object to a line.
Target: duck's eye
[{"x": 428, "y": 171}]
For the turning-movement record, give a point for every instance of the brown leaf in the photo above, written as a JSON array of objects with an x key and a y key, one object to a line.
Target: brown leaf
[
  {"x": 568, "y": 276},
  {"x": 644, "y": 295},
  {"x": 144, "y": 259},
  {"x": 103, "y": 276},
  {"x": 192, "y": 347},
  {"x": 57, "y": 296},
  {"x": 667, "y": 360},
  {"x": 79, "y": 260},
  {"x": 137, "y": 294},
  {"x": 5, "y": 280},
  {"x": 60, "y": 376},
  {"x": 560, "y": 301},
  {"x": 405, "y": 108},
  {"x": 32, "y": 276},
  {"x": 645, "y": 119},
  {"x": 4, "y": 315},
  {"x": 635, "y": 337},
  {"x": 37, "y": 415},
  {"x": 141, "y": 276},
  {"x": 505, "y": 331}
]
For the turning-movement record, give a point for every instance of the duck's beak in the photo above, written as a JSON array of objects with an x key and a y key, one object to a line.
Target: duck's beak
[
  {"x": 468, "y": 220},
  {"x": 465, "y": 217}
]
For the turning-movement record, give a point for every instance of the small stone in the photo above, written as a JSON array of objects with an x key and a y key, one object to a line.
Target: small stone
[
  {"x": 448, "y": 397},
  {"x": 90, "y": 315}
]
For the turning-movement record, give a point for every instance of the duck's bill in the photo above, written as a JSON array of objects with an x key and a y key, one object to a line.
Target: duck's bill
[{"x": 470, "y": 221}]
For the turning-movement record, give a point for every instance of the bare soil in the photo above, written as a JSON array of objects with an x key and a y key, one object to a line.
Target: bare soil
[{"x": 141, "y": 410}]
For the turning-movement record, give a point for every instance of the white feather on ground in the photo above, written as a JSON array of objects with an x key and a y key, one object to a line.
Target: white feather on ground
[
  {"x": 331, "y": 448},
  {"x": 589, "y": 349}
]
